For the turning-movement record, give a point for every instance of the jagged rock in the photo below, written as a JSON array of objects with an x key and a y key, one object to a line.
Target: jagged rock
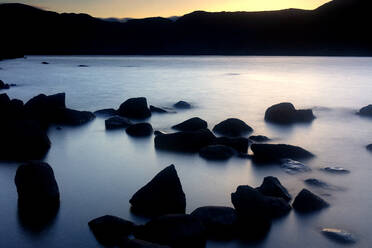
[
  {"x": 338, "y": 235},
  {"x": 271, "y": 186},
  {"x": 306, "y": 202},
  {"x": 182, "y": 105},
  {"x": 135, "y": 108},
  {"x": 117, "y": 122},
  {"x": 285, "y": 113},
  {"x": 154, "y": 109},
  {"x": 366, "y": 111},
  {"x": 232, "y": 127},
  {"x": 140, "y": 130},
  {"x": 162, "y": 195},
  {"x": 106, "y": 112},
  {"x": 238, "y": 144},
  {"x": 271, "y": 152},
  {"x": 217, "y": 152},
  {"x": 259, "y": 138},
  {"x": 192, "y": 124}
]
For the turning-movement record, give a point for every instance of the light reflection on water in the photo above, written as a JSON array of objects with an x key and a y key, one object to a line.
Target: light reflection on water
[{"x": 98, "y": 171}]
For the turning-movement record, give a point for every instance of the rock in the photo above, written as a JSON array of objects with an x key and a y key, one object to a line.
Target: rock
[
  {"x": 154, "y": 109},
  {"x": 259, "y": 138},
  {"x": 157, "y": 132},
  {"x": 182, "y": 105},
  {"x": 140, "y": 130},
  {"x": 72, "y": 117},
  {"x": 338, "y": 235},
  {"x": 4, "y": 101},
  {"x": 293, "y": 166},
  {"x": 45, "y": 63},
  {"x": 238, "y": 144},
  {"x": 285, "y": 113},
  {"x": 137, "y": 243},
  {"x": 232, "y": 127},
  {"x": 271, "y": 186},
  {"x": 220, "y": 222},
  {"x": 38, "y": 193},
  {"x": 105, "y": 112},
  {"x": 109, "y": 230},
  {"x": 83, "y": 66},
  {"x": 116, "y": 122},
  {"x": 270, "y": 152},
  {"x": 217, "y": 152},
  {"x": 336, "y": 170},
  {"x": 192, "y": 124},
  {"x": 184, "y": 141},
  {"x": 320, "y": 184},
  {"x": 366, "y": 111},
  {"x": 369, "y": 147},
  {"x": 135, "y": 108},
  {"x": 4, "y": 86},
  {"x": 178, "y": 230},
  {"x": 162, "y": 195},
  {"x": 306, "y": 202}
]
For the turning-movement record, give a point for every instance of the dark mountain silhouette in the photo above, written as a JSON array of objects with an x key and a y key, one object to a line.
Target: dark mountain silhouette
[{"x": 340, "y": 27}]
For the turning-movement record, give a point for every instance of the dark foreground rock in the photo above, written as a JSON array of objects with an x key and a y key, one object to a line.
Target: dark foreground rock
[
  {"x": 270, "y": 152},
  {"x": 232, "y": 127},
  {"x": 339, "y": 236},
  {"x": 157, "y": 132},
  {"x": 162, "y": 195},
  {"x": 110, "y": 230},
  {"x": 106, "y": 112},
  {"x": 239, "y": 144},
  {"x": 220, "y": 222},
  {"x": 178, "y": 230},
  {"x": 192, "y": 124},
  {"x": 285, "y": 113},
  {"x": 259, "y": 138},
  {"x": 137, "y": 243},
  {"x": 366, "y": 111},
  {"x": 154, "y": 109},
  {"x": 307, "y": 202},
  {"x": 135, "y": 108},
  {"x": 140, "y": 130},
  {"x": 184, "y": 141},
  {"x": 271, "y": 186},
  {"x": 117, "y": 122},
  {"x": 217, "y": 152},
  {"x": 182, "y": 105}
]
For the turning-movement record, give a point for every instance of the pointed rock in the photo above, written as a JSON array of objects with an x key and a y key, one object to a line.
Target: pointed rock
[
  {"x": 271, "y": 186},
  {"x": 306, "y": 202}
]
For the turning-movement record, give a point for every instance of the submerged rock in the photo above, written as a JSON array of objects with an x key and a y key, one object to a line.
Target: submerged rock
[
  {"x": 135, "y": 108},
  {"x": 182, "y": 105},
  {"x": 232, "y": 127},
  {"x": 217, "y": 152},
  {"x": 220, "y": 222},
  {"x": 285, "y": 113},
  {"x": 270, "y": 152},
  {"x": 177, "y": 230},
  {"x": 320, "y": 184},
  {"x": 271, "y": 186},
  {"x": 366, "y": 111},
  {"x": 140, "y": 130},
  {"x": 307, "y": 202},
  {"x": 369, "y": 147},
  {"x": 336, "y": 170},
  {"x": 106, "y": 112},
  {"x": 45, "y": 63},
  {"x": 259, "y": 138},
  {"x": 338, "y": 235},
  {"x": 238, "y": 144},
  {"x": 162, "y": 195},
  {"x": 184, "y": 141},
  {"x": 154, "y": 109},
  {"x": 117, "y": 122},
  {"x": 192, "y": 124},
  {"x": 109, "y": 230},
  {"x": 293, "y": 167}
]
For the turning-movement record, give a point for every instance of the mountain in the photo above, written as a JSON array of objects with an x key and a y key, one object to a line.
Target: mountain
[{"x": 340, "y": 27}]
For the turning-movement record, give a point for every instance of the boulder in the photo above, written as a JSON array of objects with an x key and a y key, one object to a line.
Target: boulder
[
  {"x": 192, "y": 124},
  {"x": 184, "y": 141},
  {"x": 217, "y": 152},
  {"x": 232, "y": 127},
  {"x": 270, "y": 152},
  {"x": 137, "y": 243},
  {"x": 135, "y": 108},
  {"x": 285, "y": 113},
  {"x": 109, "y": 230},
  {"x": 162, "y": 195},
  {"x": 154, "y": 109},
  {"x": 238, "y": 144},
  {"x": 336, "y": 170},
  {"x": 306, "y": 202},
  {"x": 105, "y": 112},
  {"x": 292, "y": 166},
  {"x": 339, "y": 236},
  {"x": 366, "y": 111},
  {"x": 177, "y": 230},
  {"x": 140, "y": 130},
  {"x": 259, "y": 138},
  {"x": 72, "y": 117},
  {"x": 182, "y": 105},
  {"x": 369, "y": 147},
  {"x": 220, "y": 222},
  {"x": 271, "y": 186},
  {"x": 117, "y": 122}
]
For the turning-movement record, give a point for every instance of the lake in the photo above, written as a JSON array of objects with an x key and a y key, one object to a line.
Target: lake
[{"x": 98, "y": 171}]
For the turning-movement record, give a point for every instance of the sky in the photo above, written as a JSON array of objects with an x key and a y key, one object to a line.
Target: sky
[{"x": 164, "y": 8}]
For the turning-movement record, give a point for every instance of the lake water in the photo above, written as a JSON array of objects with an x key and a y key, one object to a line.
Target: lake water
[{"x": 98, "y": 171}]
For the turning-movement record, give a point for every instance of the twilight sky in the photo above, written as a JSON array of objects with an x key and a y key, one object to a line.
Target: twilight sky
[{"x": 165, "y": 8}]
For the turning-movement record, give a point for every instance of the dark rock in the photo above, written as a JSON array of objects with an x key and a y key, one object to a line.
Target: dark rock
[
  {"x": 192, "y": 124},
  {"x": 271, "y": 186},
  {"x": 232, "y": 127},
  {"x": 259, "y": 138},
  {"x": 238, "y": 144},
  {"x": 72, "y": 117},
  {"x": 109, "y": 230},
  {"x": 182, "y": 105},
  {"x": 4, "y": 100},
  {"x": 135, "y": 108},
  {"x": 140, "y": 130},
  {"x": 285, "y": 113},
  {"x": 106, "y": 112},
  {"x": 83, "y": 66},
  {"x": 154, "y": 109},
  {"x": 178, "y": 230},
  {"x": 338, "y": 235},
  {"x": 366, "y": 111},
  {"x": 4, "y": 86},
  {"x": 157, "y": 132},
  {"x": 45, "y": 63},
  {"x": 162, "y": 195},
  {"x": 269, "y": 152},
  {"x": 117, "y": 122},
  {"x": 137, "y": 243},
  {"x": 369, "y": 147},
  {"x": 336, "y": 170},
  {"x": 184, "y": 141},
  {"x": 306, "y": 202},
  {"x": 220, "y": 222},
  {"x": 217, "y": 152},
  {"x": 317, "y": 183},
  {"x": 292, "y": 166}
]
